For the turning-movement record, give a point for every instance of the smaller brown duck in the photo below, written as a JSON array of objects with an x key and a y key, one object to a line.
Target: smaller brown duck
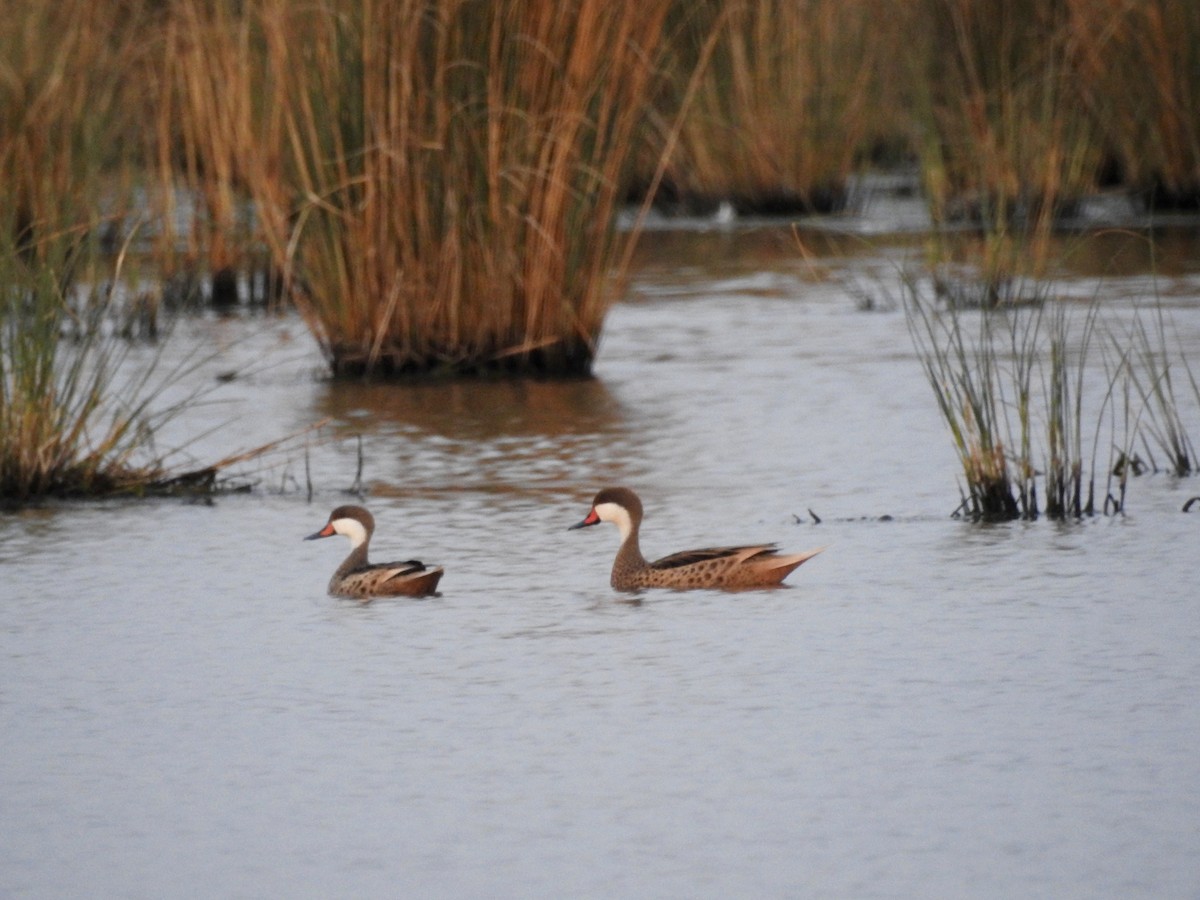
[
  {"x": 361, "y": 580},
  {"x": 758, "y": 565}
]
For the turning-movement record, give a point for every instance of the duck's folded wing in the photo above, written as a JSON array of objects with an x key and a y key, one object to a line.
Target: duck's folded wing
[
  {"x": 688, "y": 557},
  {"x": 388, "y": 571}
]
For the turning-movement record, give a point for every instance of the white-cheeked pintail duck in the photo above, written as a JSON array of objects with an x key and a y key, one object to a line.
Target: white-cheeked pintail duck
[
  {"x": 758, "y": 565},
  {"x": 362, "y": 580}
]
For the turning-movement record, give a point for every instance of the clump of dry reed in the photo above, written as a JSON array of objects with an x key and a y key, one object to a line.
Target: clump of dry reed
[
  {"x": 440, "y": 179},
  {"x": 74, "y": 419},
  {"x": 79, "y": 413},
  {"x": 783, "y": 110}
]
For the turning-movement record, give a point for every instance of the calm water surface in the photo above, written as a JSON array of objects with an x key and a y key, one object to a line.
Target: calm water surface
[{"x": 930, "y": 709}]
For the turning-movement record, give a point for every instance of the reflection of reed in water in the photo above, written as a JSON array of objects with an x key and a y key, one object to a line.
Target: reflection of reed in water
[
  {"x": 473, "y": 410},
  {"x": 509, "y": 436}
]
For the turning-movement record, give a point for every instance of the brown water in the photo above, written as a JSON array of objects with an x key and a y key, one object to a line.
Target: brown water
[{"x": 932, "y": 708}]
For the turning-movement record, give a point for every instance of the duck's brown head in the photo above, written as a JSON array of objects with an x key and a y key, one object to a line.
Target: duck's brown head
[
  {"x": 616, "y": 504},
  {"x": 352, "y": 521}
]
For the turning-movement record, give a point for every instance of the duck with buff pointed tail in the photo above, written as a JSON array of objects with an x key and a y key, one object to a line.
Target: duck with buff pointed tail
[{"x": 751, "y": 566}]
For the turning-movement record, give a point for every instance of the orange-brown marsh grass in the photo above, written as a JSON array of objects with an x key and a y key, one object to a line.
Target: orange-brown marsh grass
[
  {"x": 441, "y": 180},
  {"x": 1140, "y": 81},
  {"x": 783, "y": 110}
]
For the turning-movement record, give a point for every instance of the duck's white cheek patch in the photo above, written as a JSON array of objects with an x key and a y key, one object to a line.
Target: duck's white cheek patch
[
  {"x": 352, "y": 529},
  {"x": 618, "y": 515}
]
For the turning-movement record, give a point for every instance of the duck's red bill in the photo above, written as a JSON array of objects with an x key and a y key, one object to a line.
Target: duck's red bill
[{"x": 591, "y": 519}]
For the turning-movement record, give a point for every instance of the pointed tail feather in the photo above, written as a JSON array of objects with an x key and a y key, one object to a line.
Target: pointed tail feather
[{"x": 791, "y": 561}]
